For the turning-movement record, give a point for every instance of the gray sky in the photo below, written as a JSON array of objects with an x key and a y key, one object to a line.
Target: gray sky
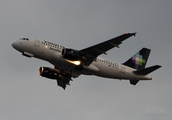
[{"x": 80, "y": 24}]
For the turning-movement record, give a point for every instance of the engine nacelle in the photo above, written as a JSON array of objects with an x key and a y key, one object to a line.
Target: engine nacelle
[
  {"x": 72, "y": 54},
  {"x": 49, "y": 73}
]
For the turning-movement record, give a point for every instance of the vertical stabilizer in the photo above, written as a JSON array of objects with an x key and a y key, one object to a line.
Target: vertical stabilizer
[{"x": 139, "y": 60}]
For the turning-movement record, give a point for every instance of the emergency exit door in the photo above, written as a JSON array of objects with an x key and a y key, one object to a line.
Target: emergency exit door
[{"x": 37, "y": 43}]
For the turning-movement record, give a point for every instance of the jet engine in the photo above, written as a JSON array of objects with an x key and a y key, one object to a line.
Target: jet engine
[
  {"x": 72, "y": 54},
  {"x": 49, "y": 73}
]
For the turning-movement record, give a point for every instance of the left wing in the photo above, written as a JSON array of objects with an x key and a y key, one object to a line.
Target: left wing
[
  {"x": 101, "y": 48},
  {"x": 63, "y": 82},
  {"x": 64, "y": 78}
]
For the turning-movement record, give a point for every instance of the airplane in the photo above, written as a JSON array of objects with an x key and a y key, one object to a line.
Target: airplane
[{"x": 71, "y": 63}]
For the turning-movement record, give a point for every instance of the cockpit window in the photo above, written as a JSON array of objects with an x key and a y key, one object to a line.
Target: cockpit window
[{"x": 24, "y": 39}]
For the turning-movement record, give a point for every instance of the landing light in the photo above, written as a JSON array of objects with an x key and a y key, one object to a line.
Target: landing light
[{"x": 74, "y": 62}]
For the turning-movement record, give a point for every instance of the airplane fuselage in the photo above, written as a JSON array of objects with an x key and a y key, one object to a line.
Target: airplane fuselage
[{"x": 52, "y": 53}]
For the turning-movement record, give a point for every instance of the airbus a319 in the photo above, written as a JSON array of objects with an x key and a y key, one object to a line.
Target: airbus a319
[{"x": 70, "y": 63}]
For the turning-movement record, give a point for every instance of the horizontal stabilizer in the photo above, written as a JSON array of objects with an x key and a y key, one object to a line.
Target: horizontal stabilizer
[
  {"x": 134, "y": 82},
  {"x": 147, "y": 70}
]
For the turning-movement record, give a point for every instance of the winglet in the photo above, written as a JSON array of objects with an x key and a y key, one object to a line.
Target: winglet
[{"x": 134, "y": 34}]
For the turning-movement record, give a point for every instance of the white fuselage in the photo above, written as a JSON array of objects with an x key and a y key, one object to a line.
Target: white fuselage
[{"x": 52, "y": 53}]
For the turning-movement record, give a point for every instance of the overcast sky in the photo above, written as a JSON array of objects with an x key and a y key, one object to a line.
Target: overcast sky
[{"x": 24, "y": 95}]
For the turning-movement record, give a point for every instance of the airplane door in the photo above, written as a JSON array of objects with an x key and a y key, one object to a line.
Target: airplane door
[
  {"x": 37, "y": 43},
  {"x": 123, "y": 69}
]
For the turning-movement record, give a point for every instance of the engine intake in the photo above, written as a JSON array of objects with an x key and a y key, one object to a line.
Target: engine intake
[{"x": 49, "y": 73}]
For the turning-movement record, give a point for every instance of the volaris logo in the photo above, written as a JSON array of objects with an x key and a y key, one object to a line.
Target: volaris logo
[{"x": 138, "y": 60}]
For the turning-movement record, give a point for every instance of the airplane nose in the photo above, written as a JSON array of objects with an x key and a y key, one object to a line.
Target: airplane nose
[{"x": 14, "y": 45}]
